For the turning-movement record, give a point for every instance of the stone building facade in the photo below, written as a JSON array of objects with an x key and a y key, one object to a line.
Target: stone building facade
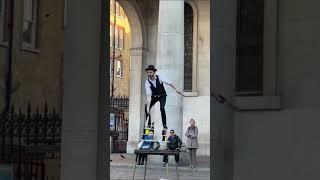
[
  {"x": 37, "y": 55},
  {"x": 40, "y": 68},
  {"x": 272, "y": 133},
  {"x": 185, "y": 60},
  {"x": 121, "y": 64}
]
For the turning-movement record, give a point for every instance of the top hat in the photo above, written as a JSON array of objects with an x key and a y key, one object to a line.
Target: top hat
[{"x": 151, "y": 67}]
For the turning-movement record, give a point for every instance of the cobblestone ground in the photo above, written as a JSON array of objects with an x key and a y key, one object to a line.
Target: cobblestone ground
[
  {"x": 122, "y": 169},
  {"x": 156, "y": 173}
]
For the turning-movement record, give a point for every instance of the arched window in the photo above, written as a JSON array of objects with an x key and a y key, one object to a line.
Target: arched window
[{"x": 188, "y": 47}]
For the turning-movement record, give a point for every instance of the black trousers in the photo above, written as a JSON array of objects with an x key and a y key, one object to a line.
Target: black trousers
[
  {"x": 162, "y": 100},
  {"x": 141, "y": 159},
  {"x": 165, "y": 158}
]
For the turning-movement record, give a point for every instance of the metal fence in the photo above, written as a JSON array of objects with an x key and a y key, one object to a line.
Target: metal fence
[
  {"x": 119, "y": 108},
  {"x": 30, "y": 142},
  {"x": 120, "y": 103}
]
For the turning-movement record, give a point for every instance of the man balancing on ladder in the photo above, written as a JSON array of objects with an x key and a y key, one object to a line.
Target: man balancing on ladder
[{"x": 156, "y": 92}]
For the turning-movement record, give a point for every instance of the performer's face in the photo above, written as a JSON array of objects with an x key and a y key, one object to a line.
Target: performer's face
[{"x": 150, "y": 74}]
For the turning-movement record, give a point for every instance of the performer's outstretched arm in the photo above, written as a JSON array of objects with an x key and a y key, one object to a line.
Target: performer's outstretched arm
[
  {"x": 173, "y": 87},
  {"x": 170, "y": 83}
]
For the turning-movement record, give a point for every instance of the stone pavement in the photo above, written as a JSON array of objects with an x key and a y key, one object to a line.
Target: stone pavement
[{"x": 122, "y": 169}]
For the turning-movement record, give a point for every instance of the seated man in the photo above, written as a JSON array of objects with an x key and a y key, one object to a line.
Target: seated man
[{"x": 173, "y": 144}]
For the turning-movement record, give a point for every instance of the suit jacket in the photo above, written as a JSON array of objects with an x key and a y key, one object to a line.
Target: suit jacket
[{"x": 174, "y": 142}]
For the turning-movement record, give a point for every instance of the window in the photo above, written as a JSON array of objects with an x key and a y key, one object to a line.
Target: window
[
  {"x": 117, "y": 37},
  {"x": 30, "y": 23},
  {"x": 188, "y": 50},
  {"x": 3, "y": 26},
  {"x": 119, "y": 68},
  {"x": 111, "y": 35},
  {"x": 249, "y": 75},
  {"x": 121, "y": 39}
]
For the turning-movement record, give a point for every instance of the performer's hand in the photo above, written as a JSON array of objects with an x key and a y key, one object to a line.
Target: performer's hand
[{"x": 219, "y": 96}]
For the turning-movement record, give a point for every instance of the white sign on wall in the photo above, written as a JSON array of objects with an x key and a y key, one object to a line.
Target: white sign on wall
[{"x": 112, "y": 122}]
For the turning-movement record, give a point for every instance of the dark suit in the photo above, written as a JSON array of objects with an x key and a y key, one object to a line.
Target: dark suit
[{"x": 174, "y": 143}]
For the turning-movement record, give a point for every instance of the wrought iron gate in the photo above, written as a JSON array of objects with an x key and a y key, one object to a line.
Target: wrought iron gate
[{"x": 119, "y": 131}]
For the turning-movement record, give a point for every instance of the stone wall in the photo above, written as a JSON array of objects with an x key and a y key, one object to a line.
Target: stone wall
[
  {"x": 199, "y": 107},
  {"x": 200, "y": 112},
  {"x": 283, "y": 144},
  {"x": 203, "y": 66},
  {"x": 39, "y": 70}
]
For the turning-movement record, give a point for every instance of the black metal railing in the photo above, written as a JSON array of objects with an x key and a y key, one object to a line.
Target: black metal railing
[
  {"x": 120, "y": 108},
  {"x": 28, "y": 139},
  {"x": 120, "y": 103}
]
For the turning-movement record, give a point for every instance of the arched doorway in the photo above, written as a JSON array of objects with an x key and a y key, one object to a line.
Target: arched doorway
[{"x": 136, "y": 51}]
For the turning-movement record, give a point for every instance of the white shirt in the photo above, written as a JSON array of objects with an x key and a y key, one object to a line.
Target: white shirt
[{"x": 162, "y": 79}]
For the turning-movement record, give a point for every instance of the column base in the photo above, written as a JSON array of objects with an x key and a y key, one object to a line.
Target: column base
[{"x": 131, "y": 146}]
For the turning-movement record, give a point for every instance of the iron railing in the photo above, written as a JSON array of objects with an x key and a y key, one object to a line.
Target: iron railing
[{"x": 28, "y": 140}]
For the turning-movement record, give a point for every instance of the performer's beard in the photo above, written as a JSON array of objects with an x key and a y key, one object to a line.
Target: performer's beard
[{"x": 150, "y": 76}]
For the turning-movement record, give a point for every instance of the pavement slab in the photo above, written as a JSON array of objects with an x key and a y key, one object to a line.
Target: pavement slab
[{"x": 121, "y": 168}]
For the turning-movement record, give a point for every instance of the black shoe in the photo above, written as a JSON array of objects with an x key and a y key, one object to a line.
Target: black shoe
[{"x": 165, "y": 127}]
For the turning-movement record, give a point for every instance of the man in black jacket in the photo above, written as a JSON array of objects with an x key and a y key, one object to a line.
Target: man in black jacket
[
  {"x": 173, "y": 144},
  {"x": 156, "y": 92}
]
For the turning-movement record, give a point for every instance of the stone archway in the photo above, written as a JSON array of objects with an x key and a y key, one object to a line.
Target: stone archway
[{"x": 137, "y": 50}]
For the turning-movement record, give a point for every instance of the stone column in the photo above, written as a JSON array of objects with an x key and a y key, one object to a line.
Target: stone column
[
  {"x": 223, "y": 14},
  {"x": 82, "y": 150},
  {"x": 135, "y": 98},
  {"x": 170, "y": 60}
]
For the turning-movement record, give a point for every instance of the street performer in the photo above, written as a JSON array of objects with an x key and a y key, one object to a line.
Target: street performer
[{"x": 156, "y": 92}]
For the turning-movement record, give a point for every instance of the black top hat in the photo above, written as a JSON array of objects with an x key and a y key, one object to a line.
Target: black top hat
[{"x": 151, "y": 67}]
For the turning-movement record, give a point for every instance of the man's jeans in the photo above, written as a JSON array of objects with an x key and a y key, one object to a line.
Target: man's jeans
[{"x": 165, "y": 158}]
